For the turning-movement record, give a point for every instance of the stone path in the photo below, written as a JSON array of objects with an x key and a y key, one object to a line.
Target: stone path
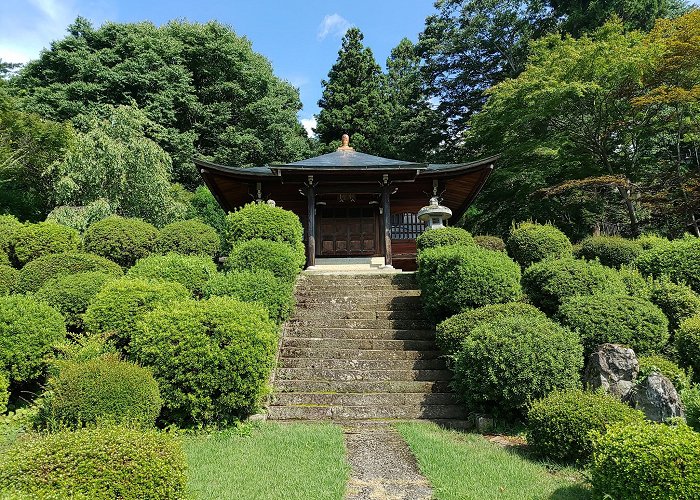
[{"x": 382, "y": 466}]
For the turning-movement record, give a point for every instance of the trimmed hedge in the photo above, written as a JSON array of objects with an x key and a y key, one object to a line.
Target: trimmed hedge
[
  {"x": 559, "y": 425},
  {"x": 9, "y": 226},
  {"x": 678, "y": 302},
  {"x": 39, "y": 271},
  {"x": 117, "y": 308},
  {"x": 121, "y": 240},
  {"x": 647, "y": 460},
  {"x": 8, "y": 279},
  {"x": 278, "y": 258},
  {"x": 97, "y": 463},
  {"x": 211, "y": 358},
  {"x": 450, "y": 333},
  {"x": 504, "y": 365},
  {"x": 635, "y": 284},
  {"x": 71, "y": 294},
  {"x": 649, "y": 241},
  {"x": 4, "y": 392},
  {"x": 611, "y": 251},
  {"x": 529, "y": 243},
  {"x": 678, "y": 259},
  {"x": 490, "y": 242},
  {"x": 688, "y": 344},
  {"x": 34, "y": 240},
  {"x": 432, "y": 238},
  {"x": 255, "y": 286},
  {"x": 666, "y": 367},
  {"x": 191, "y": 271},
  {"x": 28, "y": 331},
  {"x": 104, "y": 389},
  {"x": 189, "y": 237},
  {"x": 549, "y": 282},
  {"x": 690, "y": 397},
  {"x": 457, "y": 277},
  {"x": 616, "y": 319}
]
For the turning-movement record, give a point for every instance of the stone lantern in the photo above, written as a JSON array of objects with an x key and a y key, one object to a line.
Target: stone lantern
[{"x": 434, "y": 214}]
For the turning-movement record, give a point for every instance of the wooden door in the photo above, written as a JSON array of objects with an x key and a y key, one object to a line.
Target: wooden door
[{"x": 348, "y": 231}]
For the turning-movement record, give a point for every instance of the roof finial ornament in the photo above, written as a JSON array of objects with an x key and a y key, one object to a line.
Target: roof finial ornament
[{"x": 345, "y": 143}]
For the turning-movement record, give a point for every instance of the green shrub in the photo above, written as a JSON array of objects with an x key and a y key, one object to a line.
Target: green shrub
[
  {"x": 504, "y": 365},
  {"x": 71, "y": 294},
  {"x": 678, "y": 302},
  {"x": 646, "y": 460},
  {"x": 255, "y": 286},
  {"x": 529, "y": 243},
  {"x": 688, "y": 344},
  {"x": 616, "y": 319},
  {"x": 648, "y": 241},
  {"x": 203, "y": 206},
  {"x": 678, "y": 259},
  {"x": 635, "y": 284},
  {"x": 559, "y": 425},
  {"x": 669, "y": 369},
  {"x": 4, "y": 392},
  {"x": 211, "y": 358},
  {"x": 432, "y": 238},
  {"x": 28, "y": 331},
  {"x": 116, "y": 309},
  {"x": 490, "y": 243},
  {"x": 80, "y": 217},
  {"x": 450, "y": 333},
  {"x": 34, "y": 240},
  {"x": 96, "y": 463},
  {"x": 256, "y": 255},
  {"x": 121, "y": 240},
  {"x": 103, "y": 389},
  {"x": 191, "y": 271},
  {"x": 8, "y": 279},
  {"x": 549, "y": 282},
  {"x": 690, "y": 397},
  {"x": 37, "y": 272},
  {"x": 9, "y": 226},
  {"x": 189, "y": 237},
  {"x": 457, "y": 277},
  {"x": 611, "y": 251}
]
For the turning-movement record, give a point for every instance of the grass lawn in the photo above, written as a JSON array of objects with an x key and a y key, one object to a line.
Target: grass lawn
[
  {"x": 466, "y": 466},
  {"x": 269, "y": 461}
]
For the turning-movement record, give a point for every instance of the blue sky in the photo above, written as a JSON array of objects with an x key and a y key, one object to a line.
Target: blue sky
[{"x": 300, "y": 37}]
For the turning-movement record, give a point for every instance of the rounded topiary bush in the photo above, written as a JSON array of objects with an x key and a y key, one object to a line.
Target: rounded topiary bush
[
  {"x": 666, "y": 367},
  {"x": 121, "y": 240},
  {"x": 104, "y": 389},
  {"x": 191, "y": 271},
  {"x": 9, "y": 225},
  {"x": 529, "y": 243},
  {"x": 28, "y": 331},
  {"x": 646, "y": 460},
  {"x": 71, "y": 294},
  {"x": 457, "y": 277},
  {"x": 432, "y": 238},
  {"x": 450, "y": 333},
  {"x": 688, "y": 344},
  {"x": 678, "y": 259},
  {"x": 690, "y": 397},
  {"x": 266, "y": 222},
  {"x": 616, "y": 319},
  {"x": 39, "y": 271},
  {"x": 636, "y": 284},
  {"x": 189, "y": 237},
  {"x": 255, "y": 286},
  {"x": 255, "y": 255},
  {"x": 96, "y": 463},
  {"x": 678, "y": 302},
  {"x": 490, "y": 242},
  {"x": 34, "y": 240},
  {"x": 8, "y": 279},
  {"x": 549, "y": 282},
  {"x": 612, "y": 251},
  {"x": 211, "y": 358},
  {"x": 648, "y": 240},
  {"x": 503, "y": 365},
  {"x": 116, "y": 309},
  {"x": 4, "y": 392}
]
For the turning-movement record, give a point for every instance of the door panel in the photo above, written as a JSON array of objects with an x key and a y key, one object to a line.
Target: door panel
[{"x": 348, "y": 231}]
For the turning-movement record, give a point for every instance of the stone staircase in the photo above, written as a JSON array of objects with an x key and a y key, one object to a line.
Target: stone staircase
[{"x": 358, "y": 348}]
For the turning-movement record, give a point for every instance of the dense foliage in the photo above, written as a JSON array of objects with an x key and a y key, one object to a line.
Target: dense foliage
[
  {"x": 678, "y": 302},
  {"x": 34, "y": 240},
  {"x": 529, "y": 243},
  {"x": 666, "y": 367},
  {"x": 81, "y": 217},
  {"x": 611, "y": 251},
  {"x": 267, "y": 222},
  {"x": 189, "y": 237},
  {"x": 8, "y": 279},
  {"x": 490, "y": 242},
  {"x": 678, "y": 259},
  {"x": 9, "y": 226},
  {"x": 121, "y": 240},
  {"x": 443, "y": 237},
  {"x": 688, "y": 344},
  {"x": 690, "y": 397},
  {"x": 278, "y": 258},
  {"x": 191, "y": 271}
]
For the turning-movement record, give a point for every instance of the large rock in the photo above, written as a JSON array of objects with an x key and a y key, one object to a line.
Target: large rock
[
  {"x": 612, "y": 367},
  {"x": 656, "y": 397}
]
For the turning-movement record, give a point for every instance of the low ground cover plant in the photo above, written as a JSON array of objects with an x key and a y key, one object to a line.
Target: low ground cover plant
[
  {"x": 612, "y": 251},
  {"x": 444, "y": 237},
  {"x": 529, "y": 243},
  {"x": 121, "y": 240},
  {"x": 191, "y": 271},
  {"x": 189, "y": 237},
  {"x": 34, "y": 240},
  {"x": 677, "y": 259},
  {"x": 257, "y": 254}
]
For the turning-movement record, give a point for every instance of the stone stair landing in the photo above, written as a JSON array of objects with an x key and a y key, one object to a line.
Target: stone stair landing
[{"x": 358, "y": 348}]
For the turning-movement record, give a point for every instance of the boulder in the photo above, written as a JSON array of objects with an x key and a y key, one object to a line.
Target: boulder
[
  {"x": 656, "y": 397},
  {"x": 612, "y": 367}
]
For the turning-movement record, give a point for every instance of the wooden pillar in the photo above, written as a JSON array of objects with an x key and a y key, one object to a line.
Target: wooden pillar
[
  {"x": 386, "y": 208},
  {"x": 311, "y": 223}
]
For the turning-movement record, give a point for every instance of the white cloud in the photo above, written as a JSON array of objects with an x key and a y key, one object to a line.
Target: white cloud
[
  {"x": 333, "y": 25},
  {"x": 309, "y": 124}
]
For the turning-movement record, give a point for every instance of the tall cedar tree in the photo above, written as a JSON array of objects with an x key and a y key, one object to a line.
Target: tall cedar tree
[{"x": 352, "y": 101}]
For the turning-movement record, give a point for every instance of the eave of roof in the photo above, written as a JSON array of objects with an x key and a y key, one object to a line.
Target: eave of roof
[{"x": 349, "y": 160}]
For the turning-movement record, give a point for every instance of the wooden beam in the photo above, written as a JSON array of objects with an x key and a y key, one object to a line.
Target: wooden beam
[
  {"x": 311, "y": 223},
  {"x": 386, "y": 208}
]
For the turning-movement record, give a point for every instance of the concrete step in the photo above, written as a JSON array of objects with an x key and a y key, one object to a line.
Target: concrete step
[
  {"x": 374, "y": 344},
  {"x": 332, "y": 304},
  {"x": 363, "y": 364},
  {"x": 361, "y": 386},
  {"x": 363, "y": 324},
  {"x": 366, "y": 412},
  {"x": 347, "y": 375},
  {"x": 350, "y": 313},
  {"x": 394, "y": 279},
  {"x": 366, "y": 399},
  {"x": 369, "y": 285},
  {"x": 359, "y": 292},
  {"x": 359, "y": 333},
  {"x": 312, "y": 352}
]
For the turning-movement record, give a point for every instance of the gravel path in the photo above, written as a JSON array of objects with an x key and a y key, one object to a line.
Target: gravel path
[{"x": 382, "y": 466}]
